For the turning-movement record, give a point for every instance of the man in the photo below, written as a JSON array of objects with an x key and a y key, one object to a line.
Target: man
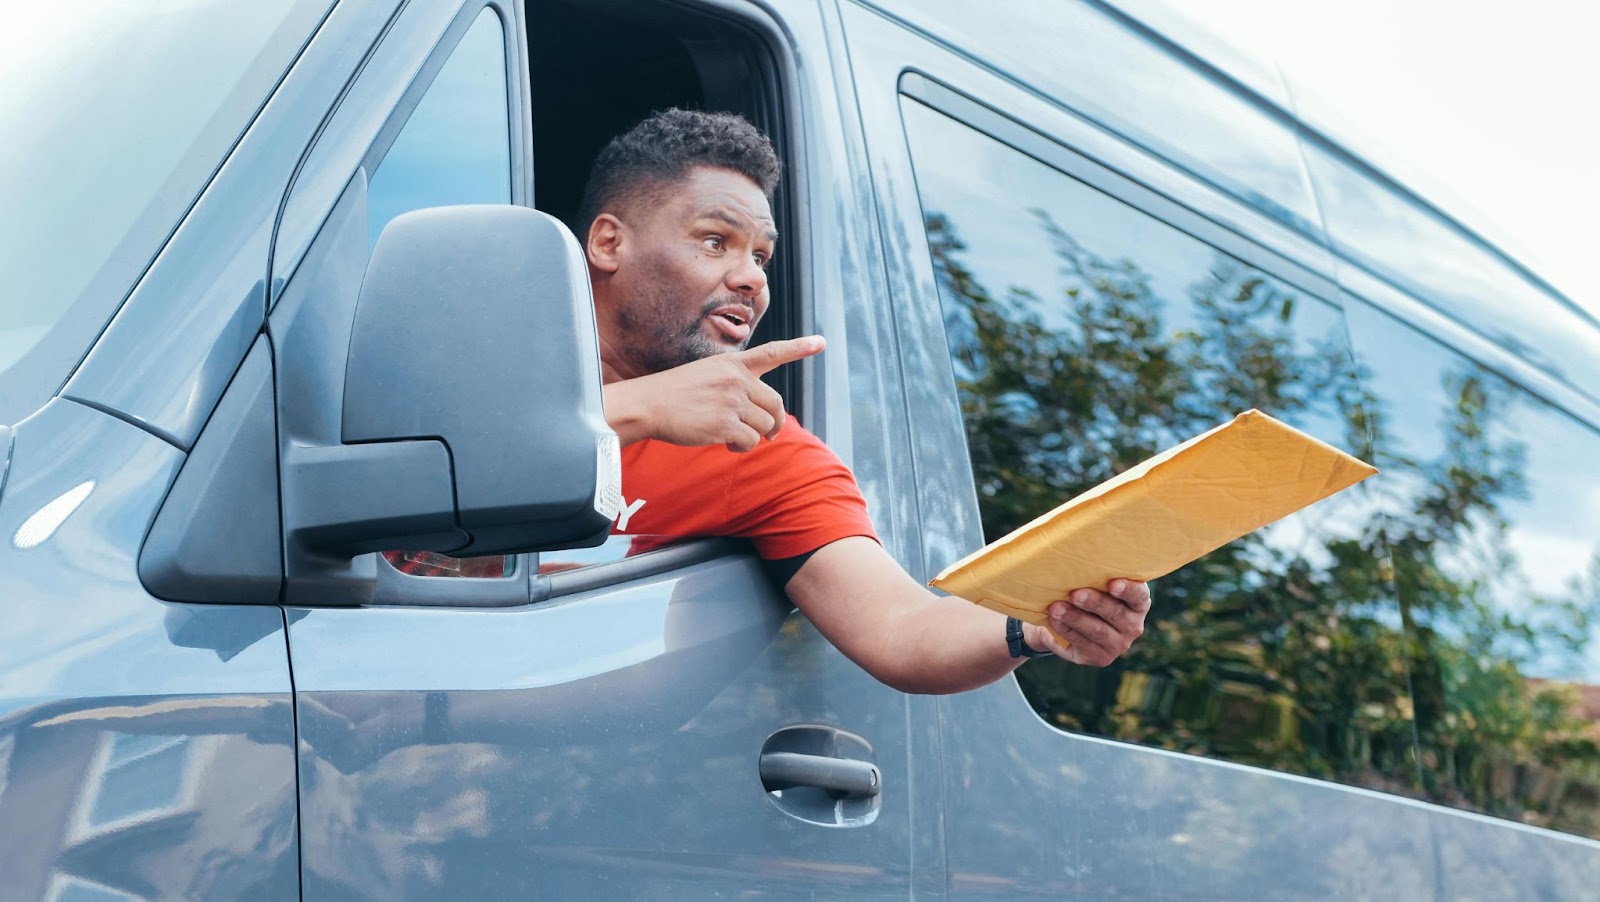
[{"x": 679, "y": 235}]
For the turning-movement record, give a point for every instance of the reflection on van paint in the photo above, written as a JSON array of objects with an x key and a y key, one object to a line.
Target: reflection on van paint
[
  {"x": 46, "y": 520},
  {"x": 118, "y": 793}
]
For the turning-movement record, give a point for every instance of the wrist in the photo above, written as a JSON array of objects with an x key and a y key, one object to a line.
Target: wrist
[
  {"x": 626, "y": 417},
  {"x": 1036, "y": 638},
  {"x": 1025, "y": 640}
]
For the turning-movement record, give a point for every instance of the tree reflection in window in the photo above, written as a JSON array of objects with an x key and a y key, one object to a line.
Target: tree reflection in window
[
  {"x": 1493, "y": 516},
  {"x": 1087, "y": 336}
]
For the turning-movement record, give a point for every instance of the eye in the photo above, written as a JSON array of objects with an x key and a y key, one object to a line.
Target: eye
[
  {"x": 762, "y": 260},
  {"x": 714, "y": 242}
]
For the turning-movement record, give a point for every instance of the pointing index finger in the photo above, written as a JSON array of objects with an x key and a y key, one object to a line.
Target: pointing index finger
[{"x": 774, "y": 354}]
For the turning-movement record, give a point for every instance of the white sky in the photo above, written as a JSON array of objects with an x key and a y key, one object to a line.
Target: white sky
[{"x": 1497, "y": 104}]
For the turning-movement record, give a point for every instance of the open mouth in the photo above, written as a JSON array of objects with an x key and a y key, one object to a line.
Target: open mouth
[{"x": 733, "y": 321}]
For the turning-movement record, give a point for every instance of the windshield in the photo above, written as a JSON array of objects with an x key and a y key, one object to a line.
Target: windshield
[{"x": 115, "y": 116}]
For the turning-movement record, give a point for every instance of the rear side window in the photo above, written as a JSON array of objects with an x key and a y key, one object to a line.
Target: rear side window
[
  {"x": 1087, "y": 335},
  {"x": 115, "y": 116},
  {"x": 1493, "y": 513}
]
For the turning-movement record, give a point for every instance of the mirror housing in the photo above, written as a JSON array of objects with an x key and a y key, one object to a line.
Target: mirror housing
[{"x": 472, "y": 421}]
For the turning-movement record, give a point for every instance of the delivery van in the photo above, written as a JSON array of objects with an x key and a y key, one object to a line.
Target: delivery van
[{"x": 289, "y": 284}]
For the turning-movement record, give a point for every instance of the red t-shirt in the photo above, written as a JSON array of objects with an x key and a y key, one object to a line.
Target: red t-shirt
[{"x": 788, "y": 496}]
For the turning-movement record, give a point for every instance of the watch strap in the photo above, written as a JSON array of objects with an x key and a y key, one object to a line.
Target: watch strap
[{"x": 1018, "y": 646}]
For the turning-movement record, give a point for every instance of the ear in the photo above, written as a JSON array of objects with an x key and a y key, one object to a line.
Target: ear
[{"x": 605, "y": 243}]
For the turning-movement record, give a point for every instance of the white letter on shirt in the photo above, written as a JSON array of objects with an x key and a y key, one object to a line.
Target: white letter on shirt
[{"x": 627, "y": 514}]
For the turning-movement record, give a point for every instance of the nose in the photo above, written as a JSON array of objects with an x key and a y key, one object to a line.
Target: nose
[{"x": 748, "y": 279}]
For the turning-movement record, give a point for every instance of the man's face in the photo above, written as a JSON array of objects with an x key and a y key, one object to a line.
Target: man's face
[{"x": 690, "y": 278}]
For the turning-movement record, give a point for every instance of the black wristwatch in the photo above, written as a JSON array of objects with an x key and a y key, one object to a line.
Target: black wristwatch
[{"x": 1019, "y": 647}]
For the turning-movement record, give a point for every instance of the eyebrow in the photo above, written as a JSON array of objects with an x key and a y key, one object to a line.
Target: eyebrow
[{"x": 724, "y": 216}]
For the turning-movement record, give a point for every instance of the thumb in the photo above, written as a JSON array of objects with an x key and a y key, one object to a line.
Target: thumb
[{"x": 774, "y": 354}]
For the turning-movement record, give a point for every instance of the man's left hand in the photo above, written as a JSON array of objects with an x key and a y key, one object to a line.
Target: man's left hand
[{"x": 1097, "y": 626}]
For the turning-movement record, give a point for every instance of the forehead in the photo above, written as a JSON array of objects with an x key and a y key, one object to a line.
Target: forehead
[{"x": 708, "y": 192}]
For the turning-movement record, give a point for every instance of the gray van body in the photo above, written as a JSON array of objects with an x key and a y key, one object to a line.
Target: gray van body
[{"x": 596, "y": 733}]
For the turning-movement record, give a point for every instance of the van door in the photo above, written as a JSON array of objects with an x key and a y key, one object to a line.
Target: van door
[{"x": 528, "y": 732}]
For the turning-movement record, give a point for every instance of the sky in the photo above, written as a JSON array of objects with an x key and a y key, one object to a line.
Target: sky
[{"x": 1494, "y": 105}]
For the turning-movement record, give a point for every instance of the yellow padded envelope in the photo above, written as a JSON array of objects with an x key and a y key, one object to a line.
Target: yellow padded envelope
[{"x": 1154, "y": 518}]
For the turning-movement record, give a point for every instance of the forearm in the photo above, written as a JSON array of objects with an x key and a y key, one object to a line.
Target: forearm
[
  {"x": 899, "y": 632},
  {"x": 947, "y": 645},
  {"x": 896, "y": 629}
]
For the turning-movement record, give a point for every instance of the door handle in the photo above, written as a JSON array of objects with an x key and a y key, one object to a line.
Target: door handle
[{"x": 844, "y": 778}]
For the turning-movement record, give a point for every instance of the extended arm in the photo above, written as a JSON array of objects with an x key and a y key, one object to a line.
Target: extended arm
[{"x": 915, "y": 641}]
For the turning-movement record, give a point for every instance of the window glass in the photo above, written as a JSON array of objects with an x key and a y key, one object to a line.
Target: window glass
[
  {"x": 1493, "y": 514},
  {"x": 115, "y": 115},
  {"x": 1087, "y": 336},
  {"x": 456, "y": 147}
]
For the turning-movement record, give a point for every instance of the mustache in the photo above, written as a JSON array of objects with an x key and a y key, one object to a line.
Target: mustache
[{"x": 731, "y": 300}]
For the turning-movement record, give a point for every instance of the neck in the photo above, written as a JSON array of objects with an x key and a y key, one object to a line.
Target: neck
[{"x": 615, "y": 363}]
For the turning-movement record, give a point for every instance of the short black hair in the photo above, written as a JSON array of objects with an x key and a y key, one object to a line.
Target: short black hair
[{"x": 664, "y": 148}]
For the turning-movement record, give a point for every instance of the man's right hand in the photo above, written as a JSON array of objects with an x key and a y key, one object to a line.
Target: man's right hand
[{"x": 718, "y": 400}]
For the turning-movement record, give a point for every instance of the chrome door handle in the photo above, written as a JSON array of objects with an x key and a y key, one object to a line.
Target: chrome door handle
[{"x": 845, "y": 778}]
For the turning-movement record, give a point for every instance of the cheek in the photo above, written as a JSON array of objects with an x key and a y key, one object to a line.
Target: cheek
[{"x": 672, "y": 276}]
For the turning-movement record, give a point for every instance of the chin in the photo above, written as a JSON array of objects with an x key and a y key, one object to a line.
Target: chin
[{"x": 703, "y": 346}]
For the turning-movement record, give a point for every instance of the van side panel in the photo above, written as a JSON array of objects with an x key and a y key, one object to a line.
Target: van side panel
[{"x": 146, "y": 748}]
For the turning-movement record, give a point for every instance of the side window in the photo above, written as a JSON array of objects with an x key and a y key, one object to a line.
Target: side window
[
  {"x": 1493, "y": 515},
  {"x": 456, "y": 146},
  {"x": 1085, "y": 336}
]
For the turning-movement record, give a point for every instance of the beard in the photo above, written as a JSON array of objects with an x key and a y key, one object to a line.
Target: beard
[{"x": 660, "y": 338}]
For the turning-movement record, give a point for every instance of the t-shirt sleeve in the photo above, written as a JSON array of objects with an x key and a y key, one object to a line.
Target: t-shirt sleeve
[{"x": 793, "y": 495}]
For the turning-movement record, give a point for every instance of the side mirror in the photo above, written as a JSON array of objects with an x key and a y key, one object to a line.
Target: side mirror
[{"x": 472, "y": 420}]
